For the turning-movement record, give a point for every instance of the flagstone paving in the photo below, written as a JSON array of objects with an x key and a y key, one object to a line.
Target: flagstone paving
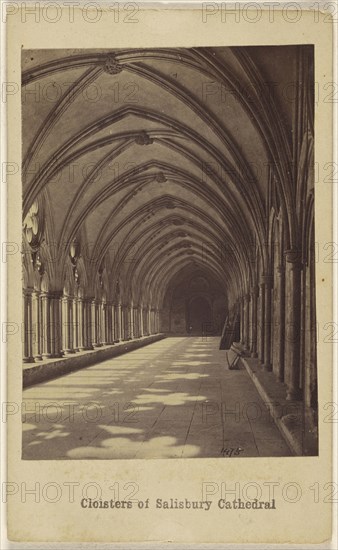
[{"x": 171, "y": 399}]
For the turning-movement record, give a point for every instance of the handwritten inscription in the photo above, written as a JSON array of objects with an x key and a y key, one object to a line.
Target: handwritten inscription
[{"x": 231, "y": 451}]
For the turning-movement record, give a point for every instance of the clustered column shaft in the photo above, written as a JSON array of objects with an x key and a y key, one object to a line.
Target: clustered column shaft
[{"x": 56, "y": 324}]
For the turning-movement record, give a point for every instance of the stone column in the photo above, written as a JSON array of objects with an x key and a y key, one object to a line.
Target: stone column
[
  {"x": 75, "y": 324},
  {"x": 126, "y": 323},
  {"x": 99, "y": 333},
  {"x": 156, "y": 320},
  {"x": 64, "y": 326},
  {"x": 148, "y": 320},
  {"x": 240, "y": 321},
  {"x": 55, "y": 324},
  {"x": 90, "y": 323},
  {"x": 281, "y": 323},
  {"x": 103, "y": 312},
  {"x": 292, "y": 323},
  {"x": 98, "y": 321},
  {"x": 59, "y": 314},
  {"x": 24, "y": 339},
  {"x": 67, "y": 325},
  {"x": 118, "y": 323},
  {"x": 136, "y": 323},
  {"x": 130, "y": 334},
  {"x": 80, "y": 319},
  {"x": 254, "y": 299},
  {"x": 27, "y": 337},
  {"x": 71, "y": 323},
  {"x": 247, "y": 321},
  {"x": 108, "y": 321},
  {"x": 262, "y": 321},
  {"x": 46, "y": 340},
  {"x": 141, "y": 321},
  {"x": 87, "y": 326},
  {"x": 242, "y": 313},
  {"x": 267, "y": 365},
  {"x": 84, "y": 325},
  {"x": 152, "y": 323},
  {"x": 123, "y": 323},
  {"x": 115, "y": 324},
  {"x": 52, "y": 325},
  {"x": 94, "y": 326},
  {"x": 36, "y": 326},
  {"x": 112, "y": 323}
]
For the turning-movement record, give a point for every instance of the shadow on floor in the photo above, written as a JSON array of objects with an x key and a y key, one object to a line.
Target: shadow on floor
[{"x": 171, "y": 399}]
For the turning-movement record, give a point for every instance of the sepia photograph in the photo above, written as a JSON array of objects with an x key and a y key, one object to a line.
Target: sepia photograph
[{"x": 169, "y": 253}]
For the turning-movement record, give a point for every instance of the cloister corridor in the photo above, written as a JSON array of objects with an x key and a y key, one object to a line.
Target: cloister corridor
[
  {"x": 182, "y": 207},
  {"x": 174, "y": 398}
]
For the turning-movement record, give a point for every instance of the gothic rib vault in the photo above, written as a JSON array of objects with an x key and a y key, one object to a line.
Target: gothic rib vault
[{"x": 150, "y": 173}]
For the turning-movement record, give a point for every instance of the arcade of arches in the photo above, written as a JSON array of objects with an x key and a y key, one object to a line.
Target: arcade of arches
[{"x": 171, "y": 191}]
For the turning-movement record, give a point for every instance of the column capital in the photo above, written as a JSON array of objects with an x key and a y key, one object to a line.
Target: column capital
[
  {"x": 293, "y": 257},
  {"x": 28, "y": 291},
  {"x": 267, "y": 279},
  {"x": 69, "y": 297},
  {"x": 55, "y": 294}
]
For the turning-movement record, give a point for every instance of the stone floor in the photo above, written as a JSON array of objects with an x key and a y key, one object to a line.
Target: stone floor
[{"x": 171, "y": 399}]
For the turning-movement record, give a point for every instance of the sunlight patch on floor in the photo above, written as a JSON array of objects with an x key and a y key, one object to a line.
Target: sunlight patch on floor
[{"x": 158, "y": 447}]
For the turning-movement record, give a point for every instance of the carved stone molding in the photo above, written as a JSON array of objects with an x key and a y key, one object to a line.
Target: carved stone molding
[
  {"x": 74, "y": 253},
  {"x": 32, "y": 225},
  {"x": 160, "y": 178},
  {"x": 37, "y": 263},
  {"x": 294, "y": 257},
  {"x": 144, "y": 139},
  {"x": 112, "y": 66},
  {"x": 100, "y": 272}
]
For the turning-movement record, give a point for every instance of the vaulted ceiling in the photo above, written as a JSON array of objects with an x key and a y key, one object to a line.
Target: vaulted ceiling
[{"x": 157, "y": 159}]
